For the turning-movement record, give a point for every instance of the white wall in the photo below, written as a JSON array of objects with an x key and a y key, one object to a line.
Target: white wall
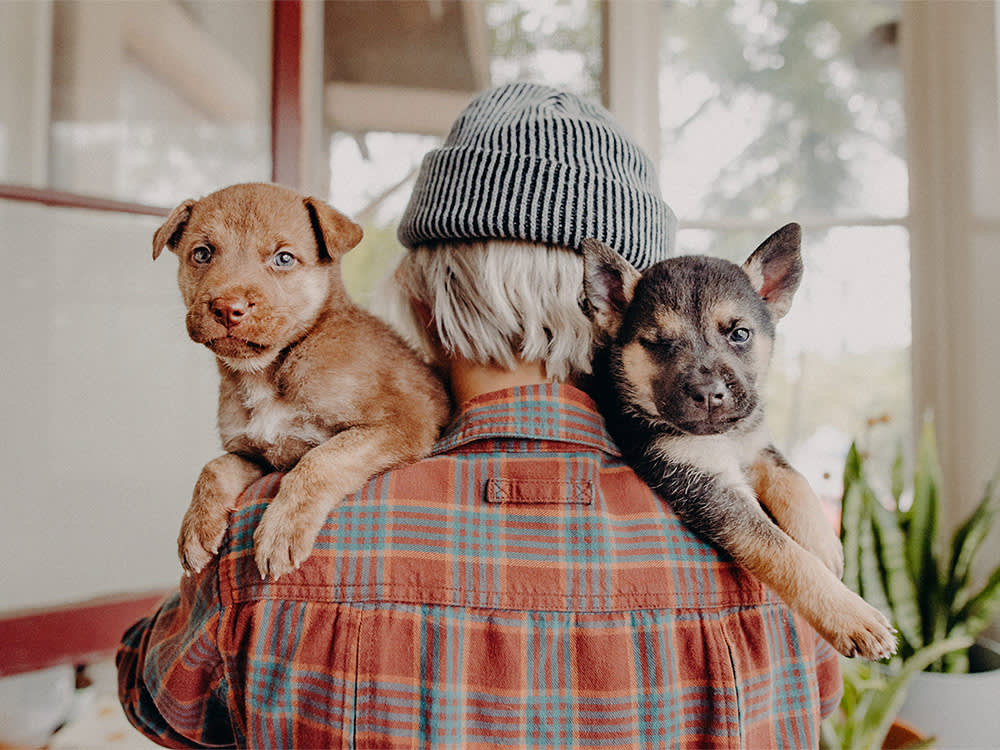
[
  {"x": 107, "y": 409},
  {"x": 25, "y": 93}
]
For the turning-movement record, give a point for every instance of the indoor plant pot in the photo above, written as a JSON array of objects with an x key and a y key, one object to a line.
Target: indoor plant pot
[{"x": 959, "y": 710}]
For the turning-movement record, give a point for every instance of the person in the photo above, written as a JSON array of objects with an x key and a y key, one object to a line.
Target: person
[{"x": 520, "y": 586}]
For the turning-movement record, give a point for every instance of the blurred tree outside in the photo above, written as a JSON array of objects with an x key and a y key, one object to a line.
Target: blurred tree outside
[
  {"x": 776, "y": 111},
  {"x": 799, "y": 96}
]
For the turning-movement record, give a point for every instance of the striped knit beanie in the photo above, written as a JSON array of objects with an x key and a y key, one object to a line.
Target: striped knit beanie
[{"x": 529, "y": 162}]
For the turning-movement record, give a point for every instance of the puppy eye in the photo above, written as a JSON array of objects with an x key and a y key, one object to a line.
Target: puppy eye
[
  {"x": 202, "y": 255},
  {"x": 740, "y": 335},
  {"x": 283, "y": 259}
]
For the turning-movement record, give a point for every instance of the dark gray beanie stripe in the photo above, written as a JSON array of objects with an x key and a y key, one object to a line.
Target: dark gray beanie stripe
[{"x": 529, "y": 162}]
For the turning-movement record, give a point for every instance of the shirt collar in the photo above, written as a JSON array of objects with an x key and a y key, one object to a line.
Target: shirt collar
[{"x": 550, "y": 411}]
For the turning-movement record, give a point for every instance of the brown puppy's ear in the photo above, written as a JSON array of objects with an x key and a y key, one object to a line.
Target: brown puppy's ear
[
  {"x": 170, "y": 231},
  {"x": 775, "y": 269},
  {"x": 335, "y": 233},
  {"x": 608, "y": 283}
]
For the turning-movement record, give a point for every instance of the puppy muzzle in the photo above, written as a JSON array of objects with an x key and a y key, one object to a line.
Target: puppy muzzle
[{"x": 706, "y": 404}]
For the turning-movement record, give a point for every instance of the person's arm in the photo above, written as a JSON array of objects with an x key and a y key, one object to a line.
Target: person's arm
[{"x": 170, "y": 676}]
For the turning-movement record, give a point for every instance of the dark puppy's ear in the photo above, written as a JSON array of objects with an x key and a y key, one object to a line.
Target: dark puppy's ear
[
  {"x": 775, "y": 269},
  {"x": 335, "y": 233},
  {"x": 171, "y": 230},
  {"x": 608, "y": 283}
]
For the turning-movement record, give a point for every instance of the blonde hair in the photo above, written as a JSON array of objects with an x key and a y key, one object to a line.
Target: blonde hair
[{"x": 493, "y": 303}]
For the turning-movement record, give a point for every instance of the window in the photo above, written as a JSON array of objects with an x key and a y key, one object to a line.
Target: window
[
  {"x": 778, "y": 111},
  {"x": 385, "y": 113},
  {"x": 142, "y": 102},
  {"x": 108, "y": 409}
]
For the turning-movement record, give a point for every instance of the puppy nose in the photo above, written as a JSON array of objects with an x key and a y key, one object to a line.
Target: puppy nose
[
  {"x": 229, "y": 311},
  {"x": 708, "y": 394}
]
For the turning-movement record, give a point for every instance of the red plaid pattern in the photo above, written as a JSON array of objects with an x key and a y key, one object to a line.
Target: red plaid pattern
[{"x": 519, "y": 588}]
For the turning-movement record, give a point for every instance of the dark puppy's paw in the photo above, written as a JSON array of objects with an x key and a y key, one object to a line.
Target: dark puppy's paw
[{"x": 861, "y": 630}]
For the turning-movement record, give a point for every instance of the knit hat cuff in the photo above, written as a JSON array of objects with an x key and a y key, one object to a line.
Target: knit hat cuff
[{"x": 465, "y": 193}]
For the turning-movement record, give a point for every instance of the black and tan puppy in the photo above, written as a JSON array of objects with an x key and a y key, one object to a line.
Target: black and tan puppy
[
  {"x": 311, "y": 384},
  {"x": 684, "y": 350}
]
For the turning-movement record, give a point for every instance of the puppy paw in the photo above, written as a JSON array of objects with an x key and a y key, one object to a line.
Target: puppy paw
[
  {"x": 284, "y": 538},
  {"x": 215, "y": 493},
  {"x": 201, "y": 534},
  {"x": 861, "y": 630}
]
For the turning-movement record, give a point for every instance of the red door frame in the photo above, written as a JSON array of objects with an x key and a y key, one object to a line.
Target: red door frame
[{"x": 286, "y": 93}]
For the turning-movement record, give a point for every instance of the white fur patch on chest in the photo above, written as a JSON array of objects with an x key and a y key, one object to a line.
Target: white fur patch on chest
[
  {"x": 271, "y": 418},
  {"x": 723, "y": 456},
  {"x": 255, "y": 390},
  {"x": 269, "y": 421}
]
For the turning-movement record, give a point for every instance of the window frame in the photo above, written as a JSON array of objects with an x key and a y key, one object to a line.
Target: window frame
[
  {"x": 949, "y": 63},
  {"x": 85, "y": 631},
  {"x": 286, "y": 124}
]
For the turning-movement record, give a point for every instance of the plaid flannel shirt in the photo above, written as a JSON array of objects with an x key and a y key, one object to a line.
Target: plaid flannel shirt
[{"x": 519, "y": 588}]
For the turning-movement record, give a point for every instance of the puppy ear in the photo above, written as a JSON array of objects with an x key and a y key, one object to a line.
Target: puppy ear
[
  {"x": 335, "y": 233},
  {"x": 608, "y": 284},
  {"x": 775, "y": 269},
  {"x": 171, "y": 230}
]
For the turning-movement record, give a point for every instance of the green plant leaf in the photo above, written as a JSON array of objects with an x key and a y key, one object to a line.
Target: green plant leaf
[
  {"x": 829, "y": 739},
  {"x": 979, "y": 611},
  {"x": 851, "y": 512},
  {"x": 852, "y": 465},
  {"x": 957, "y": 662},
  {"x": 870, "y": 569},
  {"x": 899, "y": 586},
  {"x": 921, "y": 532},
  {"x": 966, "y": 543},
  {"x": 897, "y": 479}
]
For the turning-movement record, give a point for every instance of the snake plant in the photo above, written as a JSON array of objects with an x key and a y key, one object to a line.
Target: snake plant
[{"x": 894, "y": 558}]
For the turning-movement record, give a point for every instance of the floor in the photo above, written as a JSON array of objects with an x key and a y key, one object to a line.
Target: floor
[{"x": 96, "y": 720}]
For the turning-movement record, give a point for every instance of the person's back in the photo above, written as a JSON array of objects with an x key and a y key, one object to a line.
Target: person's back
[{"x": 521, "y": 586}]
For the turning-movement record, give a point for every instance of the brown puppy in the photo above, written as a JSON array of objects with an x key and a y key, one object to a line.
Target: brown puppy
[
  {"x": 310, "y": 383},
  {"x": 686, "y": 347}
]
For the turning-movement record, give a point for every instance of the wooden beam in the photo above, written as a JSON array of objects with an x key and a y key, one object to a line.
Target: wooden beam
[
  {"x": 64, "y": 199},
  {"x": 189, "y": 60},
  {"x": 359, "y": 108}
]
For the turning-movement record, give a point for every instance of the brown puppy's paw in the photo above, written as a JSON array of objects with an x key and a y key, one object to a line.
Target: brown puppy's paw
[
  {"x": 215, "y": 494},
  {"x": 284, "y": 538},
  {"x": 861, "y": 630},
  {"x": 201, "y": 534}
]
